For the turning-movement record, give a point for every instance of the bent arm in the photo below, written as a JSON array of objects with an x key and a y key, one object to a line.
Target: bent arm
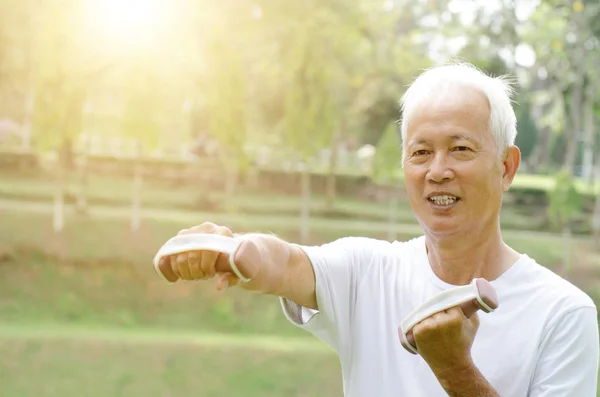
[{"x": 466, "y": 382}]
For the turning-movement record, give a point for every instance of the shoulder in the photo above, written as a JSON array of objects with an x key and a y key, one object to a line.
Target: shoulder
[
  {"x": 375, "y": 247},
  {"x": 350, "y": 246},
  {"x": 552, "y": 290},
  {"x": 351, "y": 250}
]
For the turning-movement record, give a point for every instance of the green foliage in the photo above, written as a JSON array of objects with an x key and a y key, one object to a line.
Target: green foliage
[
  {"x": 527, "y": 137},
  {"x": 59, "y": 81},
  {"x": 388, "y": 158},
  {"x": 225, "y": 96},
  {"x": 565, "y": 201},
  {"x": 309, "y": 119},
  {"x": 140, "y": 119}
]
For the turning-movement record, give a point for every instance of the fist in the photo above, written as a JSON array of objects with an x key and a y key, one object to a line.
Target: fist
[
  {"x": 204, "y": 264},
  {"x": 444, "y": 339}
]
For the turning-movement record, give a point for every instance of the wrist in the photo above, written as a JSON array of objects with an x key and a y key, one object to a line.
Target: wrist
[
  {"x": 457, "y": 374},
  {"x": 271, "y": 255}
]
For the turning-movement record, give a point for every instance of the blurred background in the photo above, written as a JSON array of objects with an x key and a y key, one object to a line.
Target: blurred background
[{"x": 123, "y": 121}]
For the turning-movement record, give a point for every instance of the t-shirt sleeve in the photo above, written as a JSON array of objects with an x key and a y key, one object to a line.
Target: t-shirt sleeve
[
  {"x": 339, "y": 268},
  {"x": 568, "y": 364}
]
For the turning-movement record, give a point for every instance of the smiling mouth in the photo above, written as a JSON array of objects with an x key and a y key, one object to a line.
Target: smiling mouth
[{"x": 443, "y": 200}]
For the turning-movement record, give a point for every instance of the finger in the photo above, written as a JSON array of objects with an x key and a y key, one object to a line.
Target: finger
[
  {"x": 208, "y": 263},
  {"x": 424, "y": 325},
  {"x": 194, "y": 258},
  {"x": 182, "y": 264},
  {"x": 456, "y": 313},
  {"x": 226, "y": 280},
  {"x": 206, "y": 227},
  {"x": 439, "y": 317},
  {"x": 222, "y": 264},
  {"x": 220, "y": 261},
  {"x": 174, "y": 266},
  {"x": 474, "y": 321},
  {"x": 164, "y": 266},
  {"x": 469, "y": 308},
  {"x": 222, "y": 281}
]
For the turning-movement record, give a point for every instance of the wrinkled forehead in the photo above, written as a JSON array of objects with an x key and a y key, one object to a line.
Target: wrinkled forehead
[{"x": 454, "y": 109}]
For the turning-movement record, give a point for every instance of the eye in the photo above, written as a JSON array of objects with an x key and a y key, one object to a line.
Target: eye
[
  {"x": 461, "y": 148},
  {"x": 420, "y": 152}
]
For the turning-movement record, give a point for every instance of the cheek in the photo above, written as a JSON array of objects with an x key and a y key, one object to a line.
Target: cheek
[{"x": 413, "y": 181}]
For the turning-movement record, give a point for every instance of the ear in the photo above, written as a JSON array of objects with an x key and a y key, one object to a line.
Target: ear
[{"x": 510, "y": 162}]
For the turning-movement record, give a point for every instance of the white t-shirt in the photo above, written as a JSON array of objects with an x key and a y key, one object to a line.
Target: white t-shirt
[{"x": 542, "y": 341}]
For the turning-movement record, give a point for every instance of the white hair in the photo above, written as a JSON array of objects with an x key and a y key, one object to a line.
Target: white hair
[{"x": 498, "y": 90}]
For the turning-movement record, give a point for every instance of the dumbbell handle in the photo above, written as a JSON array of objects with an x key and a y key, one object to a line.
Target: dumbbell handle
[{"x": 200, "y": 242}]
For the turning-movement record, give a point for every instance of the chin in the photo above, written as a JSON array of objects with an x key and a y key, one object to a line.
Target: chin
[{"x": 441, "y": 227}]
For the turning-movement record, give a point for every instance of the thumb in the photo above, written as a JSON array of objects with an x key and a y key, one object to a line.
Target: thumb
[{"x": 247, "y": 258}]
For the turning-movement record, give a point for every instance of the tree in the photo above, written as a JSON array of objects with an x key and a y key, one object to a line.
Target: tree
[
  {"x": 309, "y": 118},
  {"x": 386, "y": 167},
  {"x": 141, "y": 122},
  {"x": 226, "y": 101},
  {"x": 565, "y": 203}
]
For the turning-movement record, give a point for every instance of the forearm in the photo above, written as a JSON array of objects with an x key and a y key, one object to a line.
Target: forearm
[
  {"x": 466, "y": 382},
  {"x": 283, "y": 269}
]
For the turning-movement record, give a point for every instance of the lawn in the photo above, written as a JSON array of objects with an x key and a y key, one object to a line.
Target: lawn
[
  {"x": 83, "y": 313},
  {"x": 92, "y": 364}
]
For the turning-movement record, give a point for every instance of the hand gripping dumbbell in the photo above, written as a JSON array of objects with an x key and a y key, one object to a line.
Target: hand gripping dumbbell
[
  {"x": 200, "y": 242},
  {"x": 479, "y": 294}
]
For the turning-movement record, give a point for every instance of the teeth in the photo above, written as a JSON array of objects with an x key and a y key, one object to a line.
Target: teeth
[{"x": 443, "y": 200}]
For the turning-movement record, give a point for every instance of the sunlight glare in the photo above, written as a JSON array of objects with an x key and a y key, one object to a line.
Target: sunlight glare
[{"x": 131, "y": 21}]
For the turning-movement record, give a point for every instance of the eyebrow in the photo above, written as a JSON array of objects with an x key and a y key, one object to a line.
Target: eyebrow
[{"x": 456, "y": 137}]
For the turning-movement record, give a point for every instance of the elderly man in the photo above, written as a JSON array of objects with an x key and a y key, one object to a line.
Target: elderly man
[{"x": 458, "y": 131}]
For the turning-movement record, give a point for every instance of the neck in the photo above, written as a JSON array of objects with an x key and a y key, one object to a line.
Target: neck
[{"x": 457, "y": 259}]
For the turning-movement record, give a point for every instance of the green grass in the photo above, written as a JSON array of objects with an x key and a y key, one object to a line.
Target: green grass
[
  {"x": 156, "y": 336},
  {"x": 98, "y": 273},
  {"x": 84, "y": 314},
  {"x": 64, "y": 365}
]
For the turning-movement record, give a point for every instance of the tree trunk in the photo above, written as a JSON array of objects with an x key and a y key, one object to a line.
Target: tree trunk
[
  {"x": 575, "y": 104},
  {"x": 82, "y": 204},
  {"x": 58, "y": 219},
  {"x": 330, "y": 190},
  {"x": 572, "y": 133},
  {"x": 136, "y": 202},
  {"x": 566, "y": 234},
  {"x": 231, "y": 180},
  {"x": 26, "y": 130},
  {"x": 305, "y": 206},
  {"x": 596, "y": 214},
  {"x": 588, "y": 127},
  {"x": 58, "y": 213},
  {"x": 393, "y": 216},
  {"x": 541, "y": 158}
]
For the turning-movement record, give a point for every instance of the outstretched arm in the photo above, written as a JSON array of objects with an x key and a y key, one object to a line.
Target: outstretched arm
[{"x": 274, "y": 266}]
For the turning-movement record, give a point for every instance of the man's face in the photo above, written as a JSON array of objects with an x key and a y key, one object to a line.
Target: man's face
[{"x": 453, "y": 175}]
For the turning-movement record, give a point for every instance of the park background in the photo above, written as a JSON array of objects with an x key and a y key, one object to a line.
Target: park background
[{"x": 124, "y": 121}]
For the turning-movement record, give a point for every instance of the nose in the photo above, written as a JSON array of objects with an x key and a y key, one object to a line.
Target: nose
[{"x": 439, "y": 171}]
